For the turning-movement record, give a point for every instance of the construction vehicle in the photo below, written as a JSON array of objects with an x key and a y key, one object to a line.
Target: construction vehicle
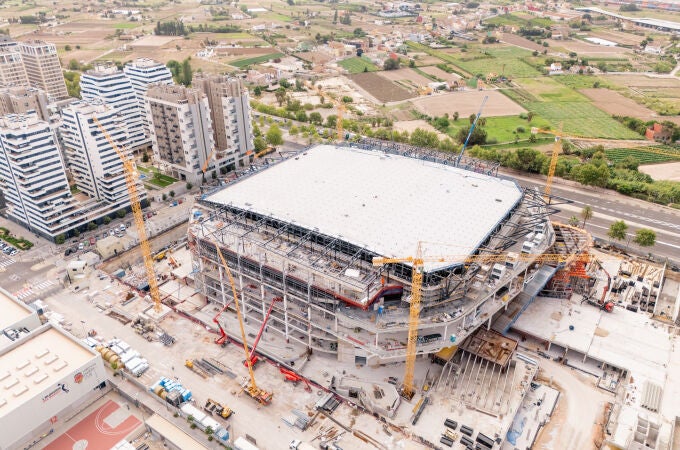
[
  {"x": 207, "y": 160},
  {"x": 265, "y": 152},
  {"x": 222, "y": 340},
  {"x": 211, "y": 406},
  {"x": 253, "y": 357},
  {"x": 262, "y": 396},
  {"x": 472, "y": 128},
  {"x": 601, "y": 302},
  {"x": 130, "y": 171},
  {"x": 294, "y": 378}
]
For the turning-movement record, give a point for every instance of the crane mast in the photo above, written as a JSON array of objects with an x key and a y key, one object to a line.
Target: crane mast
[{"x": 130, "y": 172}]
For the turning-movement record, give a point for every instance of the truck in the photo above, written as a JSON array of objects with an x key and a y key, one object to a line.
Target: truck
[
  {"x": 297, "y": 444},
  {"x": 242, "y": 444}
]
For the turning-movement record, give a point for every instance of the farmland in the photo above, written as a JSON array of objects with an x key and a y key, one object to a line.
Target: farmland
[
  {"x": 241, "y": 63},
  {"x": 381, "y": 89},
  {"x": 616, "y": 104},
  {"x": 502, "y": 129},
  {"x": 644, "y": 155},
  {"x": 512, "y": 62},
  {"x": 466, "y": 103},
  {"x": 358, "y": 64}
]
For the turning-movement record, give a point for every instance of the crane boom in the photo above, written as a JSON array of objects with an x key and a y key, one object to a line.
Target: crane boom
[
  {"x": 472, "y": 128},
  {"x": 130, "y": 170}
]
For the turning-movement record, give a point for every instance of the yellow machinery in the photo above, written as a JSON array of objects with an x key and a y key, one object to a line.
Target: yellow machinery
[
  {"x": 417, "y": 262},
  {"x": 207, "y": 161},
  {"x": 130, "y": 175},
  {"x": 262, "y": 396}
]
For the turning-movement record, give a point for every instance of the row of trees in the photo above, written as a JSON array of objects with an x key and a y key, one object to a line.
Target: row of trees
[
  {"x": 182, "y": 72},
  {"x": 618, "y": 230},
  {"x": 171, "y": 28}
]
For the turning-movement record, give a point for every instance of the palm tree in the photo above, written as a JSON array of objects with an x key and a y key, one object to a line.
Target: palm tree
[{"x": 586, "y": 214}]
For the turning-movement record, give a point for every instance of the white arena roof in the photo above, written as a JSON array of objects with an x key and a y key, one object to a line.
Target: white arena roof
[{"x": 383, "y": 202}]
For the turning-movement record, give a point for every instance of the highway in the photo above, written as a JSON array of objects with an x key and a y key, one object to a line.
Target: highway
[{"x": 609, "y": 206}]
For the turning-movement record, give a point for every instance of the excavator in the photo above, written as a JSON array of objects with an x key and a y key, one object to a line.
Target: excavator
[
  {"x": 253, "y": 357},
  {"x": 222, "y": 340},
  {"x": 601, "y": 303}
]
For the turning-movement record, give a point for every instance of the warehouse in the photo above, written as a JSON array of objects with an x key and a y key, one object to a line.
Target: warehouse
[
  {"x": 45, "y": 378},
  {"x": 306, "y": 228}
]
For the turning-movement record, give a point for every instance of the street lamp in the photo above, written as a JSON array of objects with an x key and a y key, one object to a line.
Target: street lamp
[{"x": 82, "y": 323}]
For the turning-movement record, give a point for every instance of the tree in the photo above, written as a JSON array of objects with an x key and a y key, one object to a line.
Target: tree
[
  {"x": 121, "y": 213},
  {"x": 315, "y": 118},
  {"x": 59, "y": 239},
  {"x": 478, "y": 136},
  {"x": 424, "y": 138},
  {"x": 586, "y": 214},
  {"x": 281, "y": 95},
  {"x": 145, "y": 156},
  {"x": 455, "y": 116},
  {"x": 259, "y": 144},
  {"x": 67, "y": 48},
  {"x": 189, "y": 186},
  {"x": 107, "y": 220},
  {"x": 187, "y": 74},
  {"x": 274, "y": 135},
  {"x": 617, "y": 230},
  {"x": 257, "y": 91},
  {"x": 644, "y": 237},
  {"x": 530, "y": 116},
  {"x": 335, "y": 17},
  {"x": 91, "y": 226},
  {"x": 391, "y": 64},
  {"x": 172, "y": 194},
  {"x": 574, "y": 221}
]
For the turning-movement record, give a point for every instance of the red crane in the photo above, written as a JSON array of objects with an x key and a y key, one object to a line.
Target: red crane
[
  {"x": 294, "y": 378},
  {"x": 222, "y": 340},
  {"x": 253, "y": 357}
]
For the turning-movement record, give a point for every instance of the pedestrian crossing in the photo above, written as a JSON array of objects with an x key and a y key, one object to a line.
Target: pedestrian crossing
[
  {"x": 28, "y": 291},
  {"x": 5, "y": 262}
]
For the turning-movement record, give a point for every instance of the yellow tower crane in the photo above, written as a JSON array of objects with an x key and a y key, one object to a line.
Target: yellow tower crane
[
  {"x": 130, "y": 171},
  {"x": 259, "y": 394},
  {"x": 417, "y": 263}
]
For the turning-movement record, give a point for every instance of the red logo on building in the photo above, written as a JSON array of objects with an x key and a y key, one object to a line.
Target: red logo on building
[{"x": 78, "y": 378}]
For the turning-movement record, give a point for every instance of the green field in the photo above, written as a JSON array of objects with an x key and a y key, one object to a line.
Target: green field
[
  {"x": 241, "y": 63},
  {"x": 518, "y": 21},
  {"x": 126, "y": 25},
  {"x": 581, "y": 119},
  {"x": 503, "y": 129},
  {"x": 357, "y": 64},
  {"x": 644, "y": 155},
  {"x": 509, "y": 61},
  {"x": 232, "y": 36}
]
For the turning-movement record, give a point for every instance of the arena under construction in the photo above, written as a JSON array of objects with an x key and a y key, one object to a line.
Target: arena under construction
[{"x": 300, "y": 233}]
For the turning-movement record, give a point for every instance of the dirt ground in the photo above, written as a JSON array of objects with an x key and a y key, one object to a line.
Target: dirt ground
[
  {"x": 664, "y": 171},
  {"x": 617, "y": 36},
  {"x": 587, "y": 49},
  {"x": 466, "y": 103},
  {"x": 380, "y": 88},
  {"x": 411, "y": 125},
  {"x": 409, "y": 76},
  {"x": 437, "y": 72},
  {"x": 519, "y": 41},
  {"x": 617, "y": 104}
]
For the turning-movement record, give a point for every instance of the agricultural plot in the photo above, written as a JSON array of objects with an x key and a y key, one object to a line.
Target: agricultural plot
[
  {"x": 358, "y": 64},
  {"x": 507, "y": 60},
  {"x": 645, "y": 155},
  {"x": 407, "y": 78},
  {"x": 439, "y": 73},
  {"x": 660, "y": 94},
  {"x": 617, "y": 104},
  {"x": 241, "y": 63},
  {"x": 466, "y": 103},
  {"x": 381, "y": 89},
  {"x": 502, "y": 129},
  {"x": 581, "y": 119}
]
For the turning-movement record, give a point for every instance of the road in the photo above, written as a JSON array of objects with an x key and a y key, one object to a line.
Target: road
[{"x": 609, "y": 206}]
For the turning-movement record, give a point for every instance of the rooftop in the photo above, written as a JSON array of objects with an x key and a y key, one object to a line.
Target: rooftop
[
  {"x": 383, "y": 202},
  {"x": 12, "y": 311},
  {"x": 35, "y": 365}
]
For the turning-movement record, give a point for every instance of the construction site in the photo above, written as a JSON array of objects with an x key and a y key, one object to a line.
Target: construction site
[{"x": 339, "y": 296}]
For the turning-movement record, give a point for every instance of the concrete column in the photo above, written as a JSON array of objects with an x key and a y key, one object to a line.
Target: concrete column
[
  {"x": 224, "y": 298},
  {"x": 488, "y": 325},
  {"x": 285, "y": 315}
]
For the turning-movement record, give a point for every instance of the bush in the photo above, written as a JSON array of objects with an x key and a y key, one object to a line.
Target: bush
[
  {"x": 60, "y": 239},
  {"x": 189, "y": 186},
  {"x": 121, "y": 213},
  {"x": 107, "y": 220}
]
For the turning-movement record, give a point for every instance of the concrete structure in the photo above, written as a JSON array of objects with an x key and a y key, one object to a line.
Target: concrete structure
[
  {"x": 17, "y": 320},
  {"x": 43, "y": 69},
  {"x": 94, "y": 164},
  {"x": 47, "y": 376},
  {"x": 642, "y": 22},
  {"x": 181, "y": 130},
  {"x": 21, "y": 100},
  {"x": 307, "y": 228},
  {"x": 12, "y": 71},
  {"x": 113, "y": 87},
  {"x": 231, "y": 119},
  {"x": 33, "y": 175}
]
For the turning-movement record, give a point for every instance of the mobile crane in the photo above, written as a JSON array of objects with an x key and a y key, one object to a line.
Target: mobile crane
[
  {"x": 253, "y": 358},
  {"x": 222, "y": 340},
  {"x": 262, "y": 396},
  {"x": 130, "y": 171}
]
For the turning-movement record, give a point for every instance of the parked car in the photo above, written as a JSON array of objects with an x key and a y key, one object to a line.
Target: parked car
[
  {"x": 67, "y": 252},
  {"x": 112, "y": 232},
  {"x": 81, "y": 246},
  {"x": 13, "y": 252}
]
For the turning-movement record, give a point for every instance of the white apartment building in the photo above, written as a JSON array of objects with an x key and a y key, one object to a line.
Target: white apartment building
[
  {"x": 231, "y": 119},
  {"x": 144, "y": 71},
  {"x": 181, "y": 130},
  {"x": 32, "y": 175},
  {"x": 113, "y": 87},
  {"x": 43, "y": 68},
  {"x": 94, "y": 164}
]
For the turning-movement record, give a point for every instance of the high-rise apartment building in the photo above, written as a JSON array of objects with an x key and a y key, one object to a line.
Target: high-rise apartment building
[
  {"x": 43, "y": 68},
  {"x": 32, "y": 175},
  {"x": 231, "y": 120},
  {"x": 12, "y": 71},
  {"x": 21, "y": 100},
  {"x": 112, "y": 86},
  {"x": 144, "y": 71},
  {"x": 181, "y": 129},
  {"x": 94, "y": 164}
]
